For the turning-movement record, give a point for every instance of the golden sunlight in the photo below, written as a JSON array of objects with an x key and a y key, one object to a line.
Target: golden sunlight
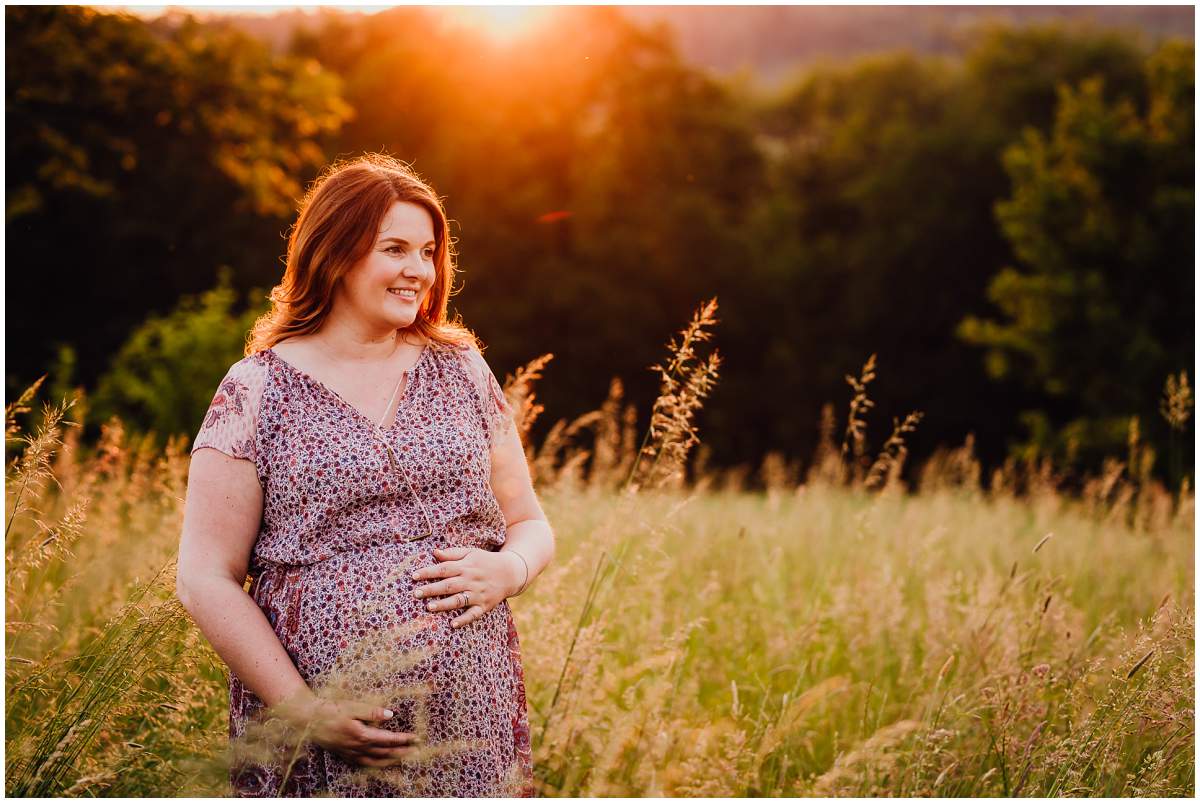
[{"x": 501, "y": 22}]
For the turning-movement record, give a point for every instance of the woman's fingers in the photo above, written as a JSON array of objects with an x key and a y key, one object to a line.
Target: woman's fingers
[
  {"x": 454, "y": 599},
  {"x": 380, "y": 756},
  {"x": 345, "y": 727},
  {"x": 378, "y": 737},
  {"x": 447, "y": 594},
  {"x": 366, "y": 712},
  {"x": 382, "y": 751},
  {"x": 451, "y": 561},
  {"x": 451, "y": 568},
  {"x": 442, "y": 588},
  {"x": 472, "y": 613},
  {"x": 366, "y": 735},
  {"x": 388, "y": 752}
]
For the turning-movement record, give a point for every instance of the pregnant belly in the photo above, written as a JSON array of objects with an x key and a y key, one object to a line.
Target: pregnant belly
[
  {"x": 352, "y": 626},
  {"x": 354, "y": 631}
]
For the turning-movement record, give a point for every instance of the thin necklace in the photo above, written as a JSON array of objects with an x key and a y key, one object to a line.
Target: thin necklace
[
  {"x": 379, "y": 426},
  {"x": 394, "y": 460},
  {"x": 403, "y": 373}
]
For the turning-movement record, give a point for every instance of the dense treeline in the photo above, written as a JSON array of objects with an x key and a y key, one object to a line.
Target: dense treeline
[{"x": 1010, "y": 232}]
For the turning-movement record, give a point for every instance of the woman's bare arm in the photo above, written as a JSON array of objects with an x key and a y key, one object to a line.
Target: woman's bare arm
[
  {"x": 529, "y": 532},
  {"x": 221, "y": 519}
]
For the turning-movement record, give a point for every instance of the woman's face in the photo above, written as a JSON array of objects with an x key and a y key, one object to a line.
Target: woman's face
[{"x": 401, "y": 259}]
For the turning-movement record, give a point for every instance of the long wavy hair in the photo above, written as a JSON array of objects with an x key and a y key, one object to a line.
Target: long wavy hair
[{"x": 339, "y": 219}]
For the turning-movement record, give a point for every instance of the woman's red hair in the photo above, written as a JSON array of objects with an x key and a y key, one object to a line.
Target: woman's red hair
[{"x": 339, "y": 220}]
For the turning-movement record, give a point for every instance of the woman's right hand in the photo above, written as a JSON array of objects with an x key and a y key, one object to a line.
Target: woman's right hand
[{"x": 341, "y": 727}]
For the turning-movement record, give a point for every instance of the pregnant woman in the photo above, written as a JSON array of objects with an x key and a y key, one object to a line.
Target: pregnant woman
[{"x": 362, "y": 466}]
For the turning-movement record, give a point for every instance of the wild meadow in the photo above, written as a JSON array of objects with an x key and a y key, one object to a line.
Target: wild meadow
[{"x": 835, "y": 631}]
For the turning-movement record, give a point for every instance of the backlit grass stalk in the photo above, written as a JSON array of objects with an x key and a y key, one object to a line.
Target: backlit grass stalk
[
  {"x": 856, "y": 424},
  {"x": 683, "y": 390},
  {"x": 887, "y": 465},
  {"x": 1176, "y": 407}
]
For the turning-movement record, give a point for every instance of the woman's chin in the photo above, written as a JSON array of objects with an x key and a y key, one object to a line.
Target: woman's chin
[{"x": 400, "y": 321}]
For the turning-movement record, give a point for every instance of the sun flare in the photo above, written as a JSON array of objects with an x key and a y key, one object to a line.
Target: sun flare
[{"x": 501, "y": 22}]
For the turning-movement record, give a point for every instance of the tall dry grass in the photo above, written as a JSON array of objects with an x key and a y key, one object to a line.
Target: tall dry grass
[
  {"x": 832, "y": 632},
  {"x": 110, "y": 689}
]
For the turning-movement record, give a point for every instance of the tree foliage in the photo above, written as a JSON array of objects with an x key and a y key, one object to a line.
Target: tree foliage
[
  {"x": 164, "y": 375},
  {"x": 1098, "y": 310},
  {"x": 140, "y": 157},
  {"x": 599, "y": 186}
]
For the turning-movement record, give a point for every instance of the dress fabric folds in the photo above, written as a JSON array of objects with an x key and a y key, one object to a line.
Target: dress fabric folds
[{"x": 350, "y": 509}]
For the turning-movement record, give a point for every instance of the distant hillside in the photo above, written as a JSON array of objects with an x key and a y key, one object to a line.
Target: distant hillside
[{"x": 776, "y": 41}]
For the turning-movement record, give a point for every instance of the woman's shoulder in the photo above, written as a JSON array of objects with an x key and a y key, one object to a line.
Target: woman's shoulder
[
  {"x": 240, "y": 390},
  {"x": 253, "y": 364},
  {"x": 488, "y": 391},
  {"x": 231, "y": 419},
  {"x": 463, "y": 349},
  {"x": 247, "y": 376},
  {"x": 453, "y": 346},
  {"x": 467, "y": 355}
]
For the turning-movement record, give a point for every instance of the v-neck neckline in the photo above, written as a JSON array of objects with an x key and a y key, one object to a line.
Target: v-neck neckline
[{"x": 406, "y": 377}]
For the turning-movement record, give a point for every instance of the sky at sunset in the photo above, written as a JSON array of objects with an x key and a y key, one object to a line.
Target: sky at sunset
[{"x": 500, "y": 20}]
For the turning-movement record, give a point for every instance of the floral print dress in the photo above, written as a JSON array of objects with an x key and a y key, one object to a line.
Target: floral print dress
[{"x": 350, "y": 509}]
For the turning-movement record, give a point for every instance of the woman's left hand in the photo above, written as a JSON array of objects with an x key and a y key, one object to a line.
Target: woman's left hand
[{"x": 486, "y": 577}]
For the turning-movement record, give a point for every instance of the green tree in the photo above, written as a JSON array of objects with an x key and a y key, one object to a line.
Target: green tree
[
  {"x": 877, "y": 236},
  {"x": 140, "y": 157},
  {"x": 165, "y": 374},
  {"x": 880, "y": 233},
  {"x": 1098, "y": 310}
]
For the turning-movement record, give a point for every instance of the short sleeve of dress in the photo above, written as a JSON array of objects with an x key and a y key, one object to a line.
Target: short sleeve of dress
[
  {"x": 230, "y": 424},
  {"x": 497, "y": 412}
]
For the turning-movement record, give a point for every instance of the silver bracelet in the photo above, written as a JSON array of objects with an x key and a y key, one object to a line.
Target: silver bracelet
[{"x": 526, "y": 580}]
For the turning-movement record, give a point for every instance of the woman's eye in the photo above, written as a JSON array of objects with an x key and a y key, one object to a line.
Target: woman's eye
[{"x": 429, "y": 252}]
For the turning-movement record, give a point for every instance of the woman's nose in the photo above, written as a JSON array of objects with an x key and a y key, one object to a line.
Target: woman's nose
[{"x": 414, "y": 268}]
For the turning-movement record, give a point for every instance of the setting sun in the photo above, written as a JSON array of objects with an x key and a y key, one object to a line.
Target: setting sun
[{"x": 501, "y": 22}]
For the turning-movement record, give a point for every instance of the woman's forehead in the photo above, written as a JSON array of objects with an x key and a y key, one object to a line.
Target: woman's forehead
[{"x": 405, "y": 218}]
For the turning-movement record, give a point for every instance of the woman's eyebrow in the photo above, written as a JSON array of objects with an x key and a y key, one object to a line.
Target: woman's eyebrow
[{"x": 403, "y": 241}]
